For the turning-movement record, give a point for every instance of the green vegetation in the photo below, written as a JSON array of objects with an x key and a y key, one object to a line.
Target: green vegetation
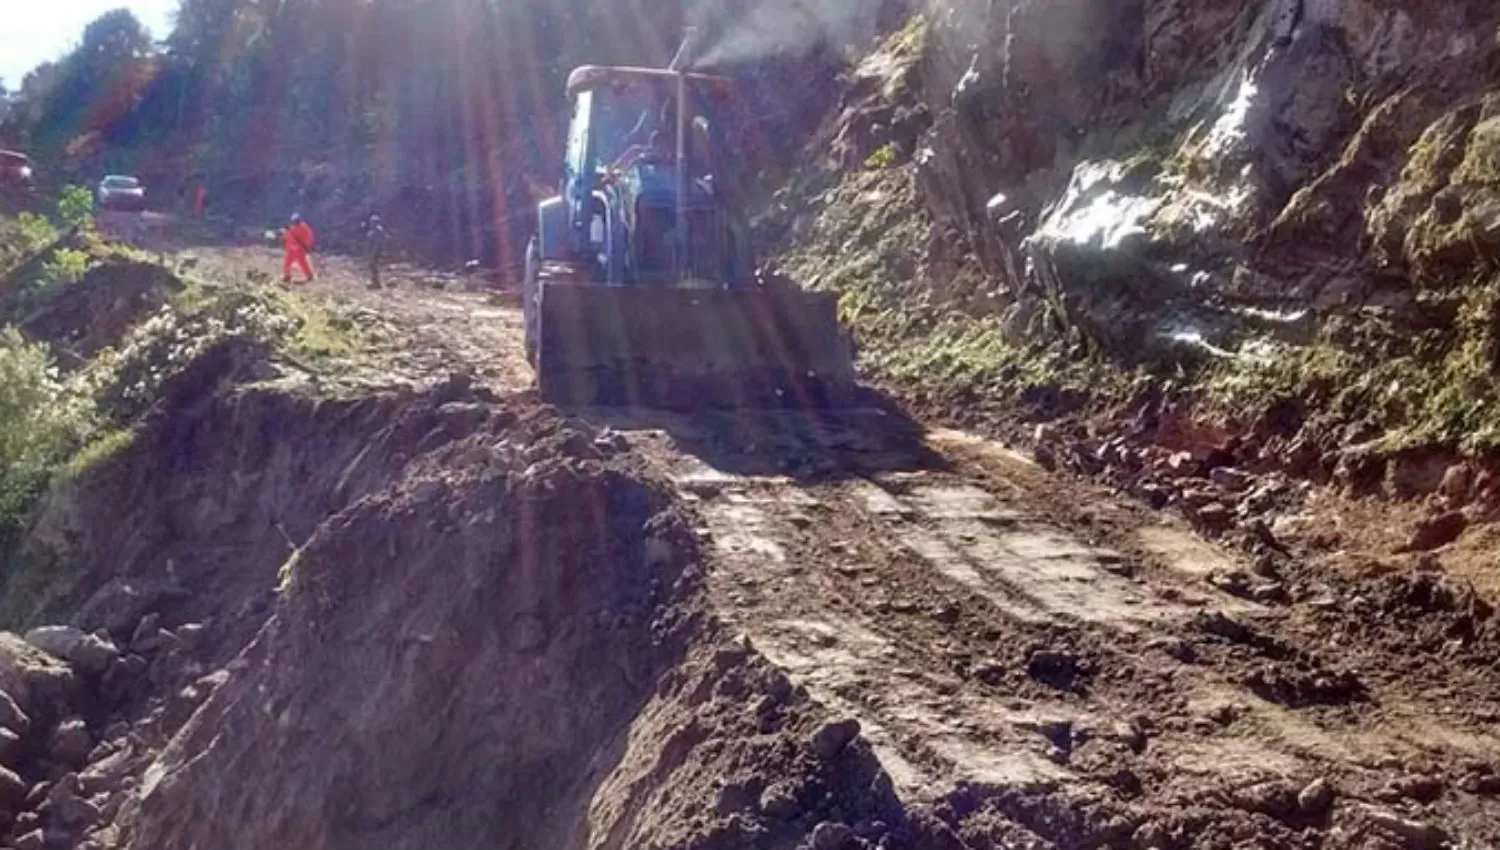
[
  {"x": 75, "y": 207},
  {"x": 1437, "y": 387},
  {"x": 42, "y": 421},
  {"x": 911, "y": 39},
  {"x": 59, "y": 427},
  {"x": 105, "y": 446},
  {"x": 884, "y": 157},
  {"x": 67, "y": 266},
  {"x": 21, "y": 237},
  {"x": 933, "y": 337}
]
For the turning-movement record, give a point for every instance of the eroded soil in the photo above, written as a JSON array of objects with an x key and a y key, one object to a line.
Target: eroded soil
[{"x": 1036, "y": 661}]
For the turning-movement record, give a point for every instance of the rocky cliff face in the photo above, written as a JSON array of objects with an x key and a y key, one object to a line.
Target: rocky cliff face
[
  {"x": 1155, "y": 170},
  {"x": 1272, "y": 195}
]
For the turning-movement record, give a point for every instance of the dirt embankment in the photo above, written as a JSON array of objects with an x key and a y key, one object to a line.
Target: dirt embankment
[
  {"x": 1029, "y": 661},
  {"x": 447, "y": 615},
  {"x": 476, "y": 622}
]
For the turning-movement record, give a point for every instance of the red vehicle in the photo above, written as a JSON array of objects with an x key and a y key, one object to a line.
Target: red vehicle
[{"x": 15, "y": 174}]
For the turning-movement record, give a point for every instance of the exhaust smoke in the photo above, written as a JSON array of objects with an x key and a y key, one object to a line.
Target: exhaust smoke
[{"x": 736, "y": 32}]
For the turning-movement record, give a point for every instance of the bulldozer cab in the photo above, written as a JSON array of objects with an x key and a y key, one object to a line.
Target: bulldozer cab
[{"x": 643, "y": 210}]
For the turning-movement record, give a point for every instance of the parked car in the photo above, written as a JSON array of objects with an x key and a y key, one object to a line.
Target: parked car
[
  {"x": 15, "y": 173},
  {"x": 119, "y": 192}
]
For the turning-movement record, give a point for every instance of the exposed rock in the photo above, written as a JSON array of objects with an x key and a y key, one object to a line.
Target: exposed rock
[
  {"x": 1415, "y": 834},
  {"x": 40, "y": 683},
  {"x": 829, "y": 835},
  {"x": 779, "y": 801},
  {"x": 1223, "y": 625},
  {"x": 92, "y": 655},
  {"x": 831, "y": 738},
  {"x": 1436, "y": 532},
  {"x": 11, "y": 715},
  {"x": 38, "y": 794},
  {"x": 154, "y": 642},
  {"x": 71, "y": 742},
  {"x": 12, "y": 790},
  {"x": 121, "y": 603},
  {"x": 1231, "y": 479},
  {"x": 32, "y": 840},
  {"x": 735, "y": 797},
  {"x": 57, "y": 641},
  {"x": 76, "y": 812},
  {"x": 1457, "y": 485},
  {"x": 26, "y": 822},
  {"x": 1271, "y": 798},
  {"x": 11, "y": 747},
  {"x": 1315, "y": 797},
  {"x": 146, "y": 629}
]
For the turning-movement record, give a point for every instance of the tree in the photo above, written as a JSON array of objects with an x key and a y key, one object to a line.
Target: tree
[{"x": 114, "y": 37}]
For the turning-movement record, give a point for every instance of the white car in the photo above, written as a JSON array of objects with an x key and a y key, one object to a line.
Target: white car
[{"x": 118, "y": 192}]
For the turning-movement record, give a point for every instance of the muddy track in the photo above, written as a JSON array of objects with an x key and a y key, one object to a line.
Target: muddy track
[{"x": 1036, "y": 659}]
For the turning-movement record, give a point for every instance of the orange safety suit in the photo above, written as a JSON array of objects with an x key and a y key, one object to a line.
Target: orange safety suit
[{"x": 299, "y": 241}]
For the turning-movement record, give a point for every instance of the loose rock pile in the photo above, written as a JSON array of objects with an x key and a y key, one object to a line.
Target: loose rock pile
[{"x": 83, "y": 713}]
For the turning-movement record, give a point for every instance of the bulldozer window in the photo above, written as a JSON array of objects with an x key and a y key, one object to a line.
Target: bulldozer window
[
  {"x": 624, "y": 117},
  {"x": 627, "y": 116}
]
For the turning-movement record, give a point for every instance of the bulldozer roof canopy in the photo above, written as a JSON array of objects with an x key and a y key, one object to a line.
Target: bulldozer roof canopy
[{"x": 591, "y": 77}]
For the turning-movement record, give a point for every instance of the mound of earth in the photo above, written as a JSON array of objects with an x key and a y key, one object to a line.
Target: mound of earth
[
  {"x": 96, "y": 312},
  {"x": 419, "y": 619}
]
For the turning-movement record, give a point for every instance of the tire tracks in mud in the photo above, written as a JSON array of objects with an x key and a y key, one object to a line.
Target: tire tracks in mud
[{"x": 993, "y": 626}]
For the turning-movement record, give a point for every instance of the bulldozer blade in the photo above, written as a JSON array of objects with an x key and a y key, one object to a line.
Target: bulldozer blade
[{"x": 684, "y": 348}]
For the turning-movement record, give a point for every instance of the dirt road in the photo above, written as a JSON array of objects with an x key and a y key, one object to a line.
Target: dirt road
[{"x": 1018, "y": 643}]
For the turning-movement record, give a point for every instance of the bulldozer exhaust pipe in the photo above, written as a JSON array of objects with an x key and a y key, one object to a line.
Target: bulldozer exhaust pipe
[
  {"x": 680, "y": 63},
  {"x": 682, "y": 214}
]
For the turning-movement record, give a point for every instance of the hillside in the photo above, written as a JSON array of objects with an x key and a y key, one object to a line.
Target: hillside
[{"x": 1164, "y": 518}]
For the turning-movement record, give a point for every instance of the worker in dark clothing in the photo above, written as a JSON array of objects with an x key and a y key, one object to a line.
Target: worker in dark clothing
[{"x": 375, "y": 237}]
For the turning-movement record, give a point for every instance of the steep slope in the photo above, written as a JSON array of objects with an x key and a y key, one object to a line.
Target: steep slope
[{"x": 1286, "y": 204}]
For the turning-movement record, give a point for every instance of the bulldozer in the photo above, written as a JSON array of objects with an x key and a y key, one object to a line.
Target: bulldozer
[{"x": 641, "y": 287}]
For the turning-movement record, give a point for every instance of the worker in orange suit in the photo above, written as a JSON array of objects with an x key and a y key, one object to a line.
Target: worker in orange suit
[{"x": 299, "y": 243}]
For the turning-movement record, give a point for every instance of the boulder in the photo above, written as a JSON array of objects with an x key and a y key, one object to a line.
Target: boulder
[
  {"x": 830, "y": 835},
  {"x": 11, "y": 747},
  {"x": 57, "y": 641},
  {"x": 93, "y": 655},
  {"x": 121, "y": 603},
  {"x": 70, "y": 808},
  {"x": 71, "y": 742},
  {"x": 11, "y": 715},
  {"x": 831, "y": 738},
  {"x": 1315, "y": 797},
  {"x": 12, "y": 790},
  {"x": 40, "y": 683},
  {"x": 145, "y": 630}
]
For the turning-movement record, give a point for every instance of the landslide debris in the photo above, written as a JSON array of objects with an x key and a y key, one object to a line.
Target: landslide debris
[{"x": 498, "y": 643}]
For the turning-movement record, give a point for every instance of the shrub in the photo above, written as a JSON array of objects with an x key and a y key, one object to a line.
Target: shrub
[
  {"x": 126, "y": 380},
  {"x": 23, "y": 236},
  {"x": 41, "y": 422},
  {"x": 35, "y": 230},
  {"x": 884, "y": 157},
  {"x": 75, "y": 206},
  {"x": 67, "y": 266}
]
